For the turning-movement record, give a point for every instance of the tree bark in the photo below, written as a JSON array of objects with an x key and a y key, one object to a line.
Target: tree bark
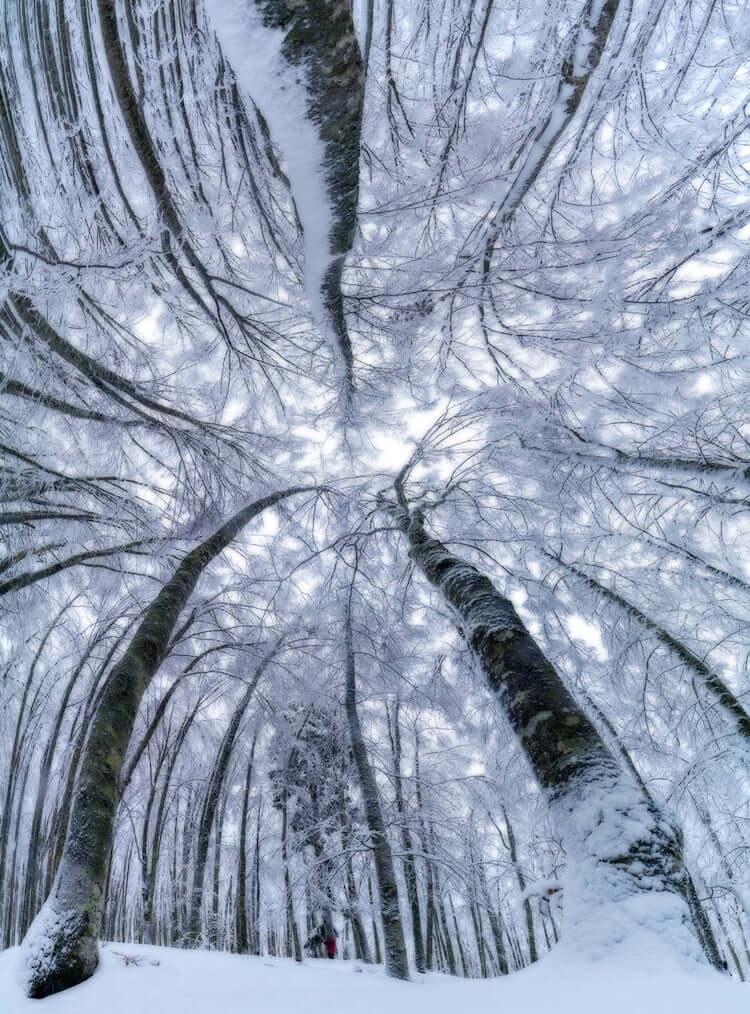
[
  {"x": 710, "y": 679},
  {"x": 618, "y": 843},
  {"x": 214, "y": 928},
  {"x": 212, "y": 798},
  {"x": 33, "y": 864},
  {"x": 255, "y": 941},
  {"x": 320, "y": 43},
  {"x": 61, "y": 948},
  {"x": 410, "y": 870},
  {"x": 531, "y": 938},
  {"x": 293, "y": 946},
  {"x": 361, "y": 943},
  {"x": 396, "y": 960},
  {"x": 240, "y": 923},
  {"x": 430, "y": 914}
]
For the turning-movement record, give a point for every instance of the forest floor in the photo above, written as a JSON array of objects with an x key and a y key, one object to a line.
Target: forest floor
[{"x": 133, "y": 978}]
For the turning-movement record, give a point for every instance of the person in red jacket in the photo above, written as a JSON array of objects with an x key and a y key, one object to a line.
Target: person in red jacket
[{"x": 331, "y": 947}]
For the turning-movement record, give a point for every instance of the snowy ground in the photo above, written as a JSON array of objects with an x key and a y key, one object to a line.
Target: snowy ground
[{"x": 197, "y": 982}]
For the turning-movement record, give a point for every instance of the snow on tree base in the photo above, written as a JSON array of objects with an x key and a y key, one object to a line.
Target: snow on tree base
[
  {"x": 56, "y": 953},
  {"x": 650, "y": 979},
  {"x": 624, "y": 883}
]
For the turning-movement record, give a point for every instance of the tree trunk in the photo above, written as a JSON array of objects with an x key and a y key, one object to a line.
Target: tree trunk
[
  {"x": 493, "y": 918},
  {"x": 59, "y": 824},
  {"x": 159, "y": 824},
  {"x": 15, "y": 900},
  {"x": 431, "y": 918},
  {"x": 61, "y": 948},
  {"x": 522, "y": 887},
  {"x": 396, "y": 961},
  {"x": 375, "y": 934},
  {"x": 174, "y": 896},
  {"x": 361, "y": 943},
  {"x": 726, "y": 867},
  {"x": 410, "y": 869},
  {"x": 443, "y": 922},
  {"x": 476, "y": 920},
  {"x": 293, "y": 947},
  {"x": 256, "y": 947},
  {"x": 33, "y": 861},
  {"x": 240, "y": 922},
  {"x": 215, "y": 786},
  {"x": 14, "y": 769},
  {"x": 214, "y": 928},
  {"x": 618, "y": 843},
  {"x": 147, "y": 866},
  {"x": 459, "y": 940},
  {"x": 320, "y": 45}
]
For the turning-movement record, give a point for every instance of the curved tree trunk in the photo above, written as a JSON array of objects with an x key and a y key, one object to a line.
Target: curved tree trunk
[
  {"x": 215, "y": 787},
  {"x": 320, "y": 55},
  {"x": 619, "y": 845},
  {"x": 711, "y": 680},
  {"x": 35, "y": 853},
  {"x": 59, "y": 822},
  {"x": 396, "y": 960},
  {"x": 151, "y": 856},
  {"x": 14, "y": 769},
  {"x": 61, "y": 946}
]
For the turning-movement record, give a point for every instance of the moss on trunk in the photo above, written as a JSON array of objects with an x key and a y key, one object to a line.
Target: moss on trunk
[{"x": 61, "y": 948}]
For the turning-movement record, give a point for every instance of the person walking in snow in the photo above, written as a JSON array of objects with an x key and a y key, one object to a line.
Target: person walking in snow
[{"x": 331, "y": 946}]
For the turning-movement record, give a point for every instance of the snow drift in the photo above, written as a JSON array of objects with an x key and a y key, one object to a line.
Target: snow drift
[{"x": 131, "y": 978}]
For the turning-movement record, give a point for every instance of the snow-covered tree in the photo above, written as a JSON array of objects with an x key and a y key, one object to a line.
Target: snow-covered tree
[{"x": 374, "y": 477}]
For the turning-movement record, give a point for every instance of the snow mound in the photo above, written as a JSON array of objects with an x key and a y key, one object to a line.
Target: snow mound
[{"x": 133, "y": 978}]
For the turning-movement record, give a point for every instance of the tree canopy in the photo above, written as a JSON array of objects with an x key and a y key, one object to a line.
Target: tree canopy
[{"x": 417, "y": 329}]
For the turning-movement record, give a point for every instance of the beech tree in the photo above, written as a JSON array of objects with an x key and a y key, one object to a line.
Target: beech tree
[
  {"x": 382, "y": 363},
  {"x": 62, "y": 941}
]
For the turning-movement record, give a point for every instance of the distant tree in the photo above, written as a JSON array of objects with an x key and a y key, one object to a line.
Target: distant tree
[{"x": 252, "y": 246}]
